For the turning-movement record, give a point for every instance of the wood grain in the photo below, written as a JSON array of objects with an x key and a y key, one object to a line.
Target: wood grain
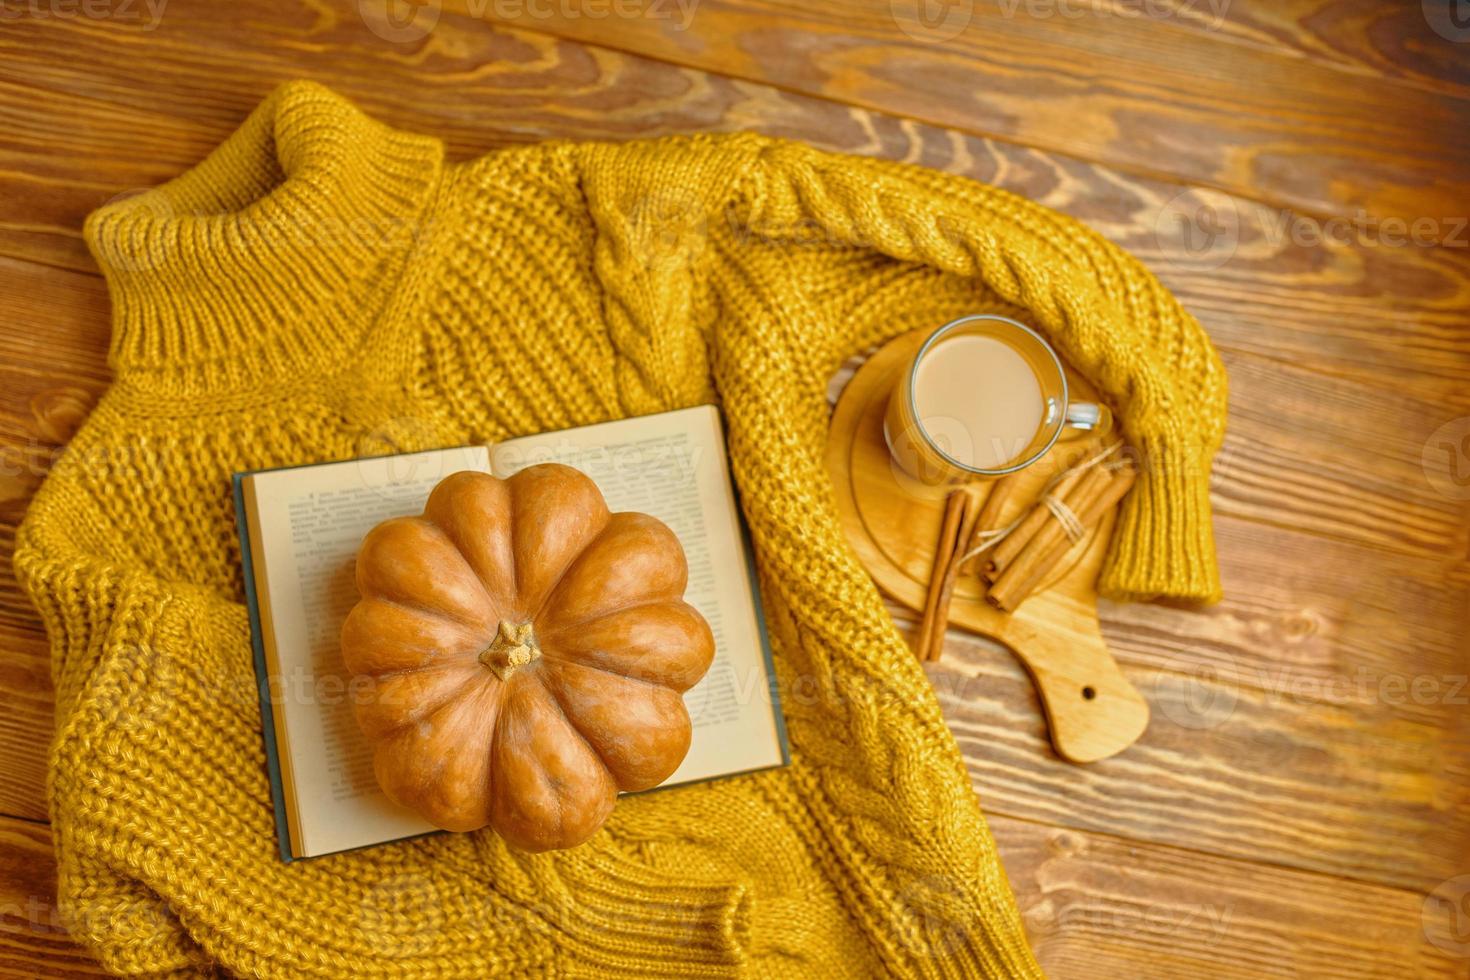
[
  {"x": 1296, "y": 792},
  {"x": 1097, "y": 905},
  {"x": 33, "y": 936},
  {"x": 1384, "y": 40},
  {"x": 1355, "y": 791},
  {"x": 1155, "y": 95}
]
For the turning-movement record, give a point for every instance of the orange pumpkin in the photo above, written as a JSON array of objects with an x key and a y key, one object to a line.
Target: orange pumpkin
[{"x": 527, "y": 652}]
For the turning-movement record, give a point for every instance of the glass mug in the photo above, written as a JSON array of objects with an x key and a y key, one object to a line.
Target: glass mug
[{"x": 983, "y": 397}]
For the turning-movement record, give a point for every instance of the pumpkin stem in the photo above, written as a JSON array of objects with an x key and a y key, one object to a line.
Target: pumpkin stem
[{"x": 514, "y": 646}]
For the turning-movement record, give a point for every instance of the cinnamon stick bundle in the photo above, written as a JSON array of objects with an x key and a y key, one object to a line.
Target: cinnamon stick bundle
[
  {"x": 988, "y": 519},
  {"x": 1015, "y": 542},
  {"x": 1089, "y": 500}
]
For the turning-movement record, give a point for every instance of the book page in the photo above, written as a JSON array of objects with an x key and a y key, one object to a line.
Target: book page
[
  {"x": 673, "y": 466},
  {"x": 310, "y": 522}
]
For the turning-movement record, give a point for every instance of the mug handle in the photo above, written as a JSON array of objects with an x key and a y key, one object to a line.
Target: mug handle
[{"x": 1087, "y": 419}]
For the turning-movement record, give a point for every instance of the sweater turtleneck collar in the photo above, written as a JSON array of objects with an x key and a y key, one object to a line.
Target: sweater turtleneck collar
[{"x": 271, "y": 257}]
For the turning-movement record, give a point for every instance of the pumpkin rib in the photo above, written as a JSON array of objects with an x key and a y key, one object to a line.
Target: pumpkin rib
[
  {"x": 443, "y": 614},
  {"x": 455, "y": 504},
  {"x": 607, "y": 614},
  {"x": 555, "y": 699},
  {"x": 406, "y": 595},
  {"x": 372, "y": 644},
  {"x": 493, "y": 700},
  {"x": 453, "y": 694},
  {"x": 554, "y": 684},
  {"x": 679, "y": 673},
  {"x": 535, "y": 615},
  {"x": 614, "y": 526},
  {"x": 561, "y": 658},
  {"x": 553, "y": 831},
  {"x": 522, "y": 484}
]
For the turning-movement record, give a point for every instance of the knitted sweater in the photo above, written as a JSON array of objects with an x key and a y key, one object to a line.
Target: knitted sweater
[{"x": 323, "y": 286}]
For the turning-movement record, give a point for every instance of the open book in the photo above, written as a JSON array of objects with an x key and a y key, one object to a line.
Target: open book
[{"x": 300, "y": 529}]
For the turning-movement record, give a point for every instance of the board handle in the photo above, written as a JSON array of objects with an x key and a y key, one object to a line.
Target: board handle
[{"x": 1092, "y": 710}]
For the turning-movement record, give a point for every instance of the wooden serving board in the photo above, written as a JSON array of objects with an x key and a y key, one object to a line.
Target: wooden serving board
[{"x": 893, "y": 523}]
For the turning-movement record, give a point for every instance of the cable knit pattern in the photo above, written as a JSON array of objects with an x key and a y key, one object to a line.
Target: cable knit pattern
[{"x": 323, "y": 286}]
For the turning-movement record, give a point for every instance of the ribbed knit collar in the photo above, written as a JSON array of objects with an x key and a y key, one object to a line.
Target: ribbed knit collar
[{"x": 275, "y": 254}]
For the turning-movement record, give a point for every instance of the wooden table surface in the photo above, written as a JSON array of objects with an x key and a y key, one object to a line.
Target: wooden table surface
[{"x": 1296, "y": 170}]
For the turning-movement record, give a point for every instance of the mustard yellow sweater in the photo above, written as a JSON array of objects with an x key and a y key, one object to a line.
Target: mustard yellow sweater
[{"x": 323, "y": 286}]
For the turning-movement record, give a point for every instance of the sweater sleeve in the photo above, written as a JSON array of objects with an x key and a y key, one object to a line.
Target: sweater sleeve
[
  {"x": 1102, "y": 310},
  {"x": 118, "y": 642}
]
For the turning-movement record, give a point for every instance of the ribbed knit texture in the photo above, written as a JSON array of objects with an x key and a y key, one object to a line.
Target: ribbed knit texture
[{"x": 322, "y": 287}]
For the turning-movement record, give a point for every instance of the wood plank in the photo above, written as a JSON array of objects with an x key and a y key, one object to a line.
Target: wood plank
[
  {"x": 1307, "y": 621},
  {"x": 1297, "y": 455},
  {"x": 1138, "y": 93},
  {"x": 52, "y": 368},
  {"x": 1384, "y": 40},
  {"x": 26, "y": 706},
  {"x": 1356, "y": 791},
  {"x": 1098, "y": 906},
  {"x": 33, "y": 937}
]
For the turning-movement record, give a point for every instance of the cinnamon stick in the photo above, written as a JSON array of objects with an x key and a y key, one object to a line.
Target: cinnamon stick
[
  {"x": 988, "y": 518},
  {"x": 969, "y": 514},
  {"x": 944, "y": 551},
  {"x": 1024, "y": 574},
  {"x": 1040, "y": 515}
]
